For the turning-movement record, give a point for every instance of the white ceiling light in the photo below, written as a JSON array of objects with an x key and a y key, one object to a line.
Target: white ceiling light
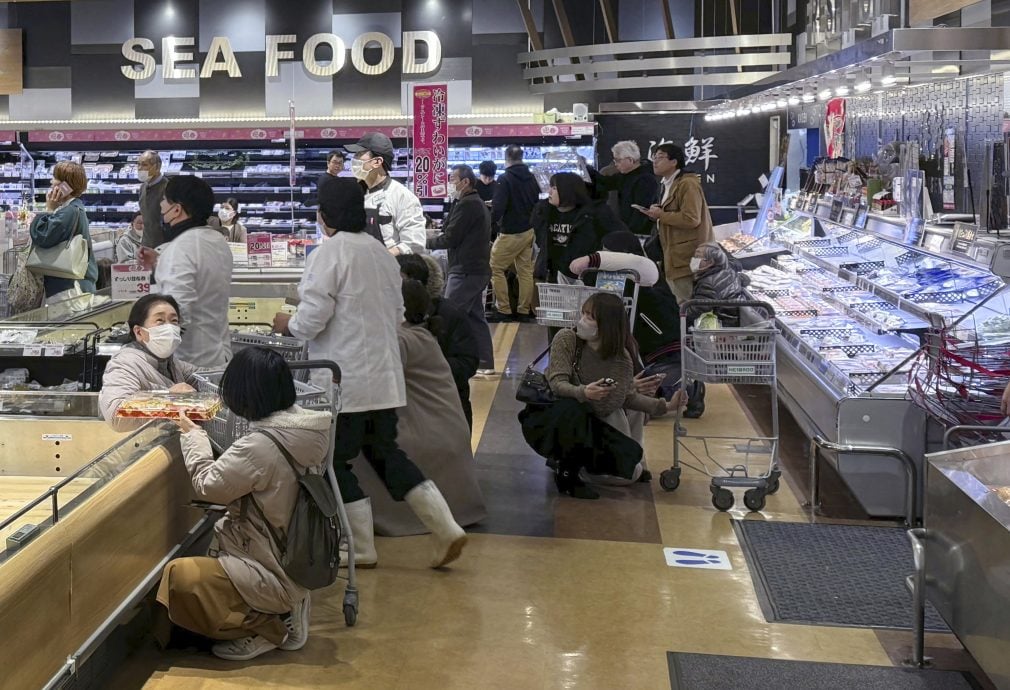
[
  {"x": 888, "y": 80},
  {"x": 842, "y": 91},
  {"x": 741, "y": 112},
  {"x": 863, "y": 86},
  {"x": 770, "y": 105},
  {"x": 794, "y": 100},
  {"x": 781, "y": 103},
  {"x": 825, "y": 94},
  {"x": 808, "y": 97}
]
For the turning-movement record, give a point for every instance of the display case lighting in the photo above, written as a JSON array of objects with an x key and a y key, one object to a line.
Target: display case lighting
[
  {"x": 842, "y": 91},
  {"x": 741, "y": 112},
  {"x": 825, "y": 94},
  {"x": 808, "y": 98},
  {"x": 888, "y": 80},
  {"x": 863, "y": 86},
  {"x": 794, "y": 100},
  {"x": 770, "y": 105},
  {"x": 781, "y": 103}
]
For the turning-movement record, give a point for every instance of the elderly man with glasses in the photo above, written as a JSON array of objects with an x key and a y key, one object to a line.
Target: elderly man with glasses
[{"x": 635, "y": 184}]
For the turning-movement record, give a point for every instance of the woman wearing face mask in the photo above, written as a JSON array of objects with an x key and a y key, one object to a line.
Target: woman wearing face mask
[
  {"x": 147, "y": 361},
  {"x": 64, "y": 218},
  {"x": 569, "y": 225},
  {"x": 130, "y": 242},
  {"x": 591, "y": 375},
  {"x": 233, "y": 229}
]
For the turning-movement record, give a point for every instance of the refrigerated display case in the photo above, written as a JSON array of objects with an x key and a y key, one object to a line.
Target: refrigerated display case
[{"x": 856, "y": 307}]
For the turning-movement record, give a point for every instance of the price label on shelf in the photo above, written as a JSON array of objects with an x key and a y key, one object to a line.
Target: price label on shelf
[
  {"x": 32, "y": 351},
  {"x": 130, "y": 281},
  {"x": 52, "y": 351},
  {"x": 239, "y": 252},
  {"x": 259, "y": 247},
  {"x": 279, "y": 252}
]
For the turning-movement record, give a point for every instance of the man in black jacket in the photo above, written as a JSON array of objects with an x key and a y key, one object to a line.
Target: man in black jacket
[
  {"x": 467, "y": 236},
  {"x": 511, "y": 207},
  {"x": 453, "y": 331},
  {"x": 635, "y": 184}
]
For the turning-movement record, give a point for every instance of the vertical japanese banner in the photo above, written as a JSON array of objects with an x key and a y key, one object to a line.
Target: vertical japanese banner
[
  {"x": 431, "y": 140},
  {"x": 834, "y": 127}
]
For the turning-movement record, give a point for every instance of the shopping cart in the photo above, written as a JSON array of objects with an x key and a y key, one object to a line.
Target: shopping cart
[
  {"x": 739, "y": 356},
  {"x": 226, "y": 427},
  {"x": 245, "y": 335},
  {"x": 561, "y": 304}
]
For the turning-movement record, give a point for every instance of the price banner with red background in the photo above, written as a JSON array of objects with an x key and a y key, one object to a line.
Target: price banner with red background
[{"x": 431, "y": 140}]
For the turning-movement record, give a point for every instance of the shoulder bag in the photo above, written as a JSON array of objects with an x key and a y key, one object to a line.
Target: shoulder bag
[
  {"x": 25, "y": 290},
  {"x": 67, "y": 259},
  {"x": 533, "y": 387}
]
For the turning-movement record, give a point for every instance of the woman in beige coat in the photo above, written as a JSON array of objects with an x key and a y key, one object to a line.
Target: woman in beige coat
[
  {"x": 431, "y": 428},
  {"x": 147, "y": 362},
  {"x": 239, "y": 593}
]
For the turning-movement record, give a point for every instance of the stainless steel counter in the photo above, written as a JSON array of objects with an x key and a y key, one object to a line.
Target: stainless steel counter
[{"x": 968, "y": 551}]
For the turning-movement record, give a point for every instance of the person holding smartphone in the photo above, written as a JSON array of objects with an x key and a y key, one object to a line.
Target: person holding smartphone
[
  {"x": 63, "y": 218},
  {"x": 591, "y": 375}
]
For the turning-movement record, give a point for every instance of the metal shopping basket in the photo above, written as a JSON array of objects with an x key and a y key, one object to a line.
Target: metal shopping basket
[
  {"x": 736, "y": 356},
  {"x": 561, "y": 304},
  {"x": 226, "y": 427},
  {"x": 291, "y": 349}
]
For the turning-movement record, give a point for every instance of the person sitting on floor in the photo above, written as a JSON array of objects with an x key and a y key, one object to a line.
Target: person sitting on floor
[
  {"x": 455, "y": 337},
  {"x": 239, "y": 593},
  {"x": 715, "y": 278},
  {"x": 586, "y": 430},
  {"x": 431, "y": 428}
]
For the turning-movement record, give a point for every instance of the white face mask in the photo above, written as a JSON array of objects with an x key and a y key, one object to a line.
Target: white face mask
[
  {"x": 453, "y": 192},
  {"x": 358, "y": 168},
  {"x": 586, "y": 329},
  {"x": 225, "y": 215},
  {"x": 163, "y": 340},
  {"x": 695, "y": 264},
  {"x": 143, "y": 175}
]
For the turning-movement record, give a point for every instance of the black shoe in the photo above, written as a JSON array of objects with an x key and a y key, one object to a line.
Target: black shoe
[
  {"x": 499, "y": 317},
  {"x": 525, "y": 318},
  {"x": 568, "y": 483},
  {"x": 694, "y": 410},
  {"x": 645, "y": 477}
]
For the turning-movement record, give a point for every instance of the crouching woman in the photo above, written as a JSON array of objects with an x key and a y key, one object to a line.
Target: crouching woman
[{"x": 239, "y": 594}]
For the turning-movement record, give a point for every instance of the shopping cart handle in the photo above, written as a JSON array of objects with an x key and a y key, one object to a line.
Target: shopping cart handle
[
  {"x": 629, "y": 272},
  {"x": 769, "y": 309},
  {"x": 318, "y": 364}
]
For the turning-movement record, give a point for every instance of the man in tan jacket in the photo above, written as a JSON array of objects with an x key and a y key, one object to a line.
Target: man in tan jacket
[{"x": 682, "y": 217}]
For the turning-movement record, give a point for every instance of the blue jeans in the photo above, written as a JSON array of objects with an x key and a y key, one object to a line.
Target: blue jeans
[{"x": 465, "y": 291}]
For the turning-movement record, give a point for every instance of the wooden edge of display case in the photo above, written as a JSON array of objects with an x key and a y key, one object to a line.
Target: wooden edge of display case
[{"x": 65, "y": 583}]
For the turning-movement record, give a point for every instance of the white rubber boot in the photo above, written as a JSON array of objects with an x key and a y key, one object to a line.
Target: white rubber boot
[
  {"x": 430, "y": 507},
  {"x": 359, "y": 515}
]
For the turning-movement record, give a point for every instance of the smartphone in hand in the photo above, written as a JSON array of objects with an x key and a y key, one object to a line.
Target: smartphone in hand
[
  {"x": 63, "y": 190},
  {"x": 639, "y": 207}
]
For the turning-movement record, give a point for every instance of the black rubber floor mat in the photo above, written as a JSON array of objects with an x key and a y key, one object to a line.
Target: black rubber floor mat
[
  {"x": 840, "y": 575},
  {"x": 712, "y": 672}
]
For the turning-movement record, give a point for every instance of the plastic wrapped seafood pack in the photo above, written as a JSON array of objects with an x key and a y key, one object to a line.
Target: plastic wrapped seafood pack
[{"x": 164, "y": 405}]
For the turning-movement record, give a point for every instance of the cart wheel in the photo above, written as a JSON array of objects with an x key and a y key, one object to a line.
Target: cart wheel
[
  {"x": 722, "y": 499},
  {"x": 754, "y": 499},
  {"x": 670, "y": 479},
  {"x": 773, "y": 482},
  {"x": 350, "y": 615}
]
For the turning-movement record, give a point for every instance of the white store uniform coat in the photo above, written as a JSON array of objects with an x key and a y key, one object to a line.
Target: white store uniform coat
[
  {"x": 350, "y": 308},
  {"x": 195, "y": 269}
]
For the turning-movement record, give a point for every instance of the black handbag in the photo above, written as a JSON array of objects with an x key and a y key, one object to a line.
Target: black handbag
[{"x": 533, "y": 387}]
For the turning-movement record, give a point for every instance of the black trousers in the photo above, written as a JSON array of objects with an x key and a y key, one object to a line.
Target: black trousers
[{"x": 372, "y": 433}]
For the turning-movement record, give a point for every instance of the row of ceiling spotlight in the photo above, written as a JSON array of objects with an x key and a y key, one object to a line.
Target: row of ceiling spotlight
[{"x": 792, "y": 97}]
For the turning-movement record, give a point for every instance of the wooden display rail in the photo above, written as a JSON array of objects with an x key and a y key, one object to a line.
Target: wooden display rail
[{"x": 62, "y": 586}]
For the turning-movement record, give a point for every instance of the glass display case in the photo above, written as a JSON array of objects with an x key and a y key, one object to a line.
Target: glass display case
[{"x": 876, "y": 329}]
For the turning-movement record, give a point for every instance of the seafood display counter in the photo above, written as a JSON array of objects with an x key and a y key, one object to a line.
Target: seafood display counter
[
  {"x": 88, "y": 518},
  {"x": 857, "y": 307}
]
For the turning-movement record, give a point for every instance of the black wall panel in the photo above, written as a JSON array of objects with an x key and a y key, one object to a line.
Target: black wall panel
[
  {"x": 222, "y": 96},
  {"x": 155, "y": 19},
  {"x": 46, "y": 31},
  {"x": 98, "y": 87}
]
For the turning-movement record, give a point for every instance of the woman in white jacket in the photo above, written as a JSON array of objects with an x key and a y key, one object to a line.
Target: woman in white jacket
[
  {"x": 349, "y": 312},
  {"x": 147, "y": 361},
  {"x": 239, "y": 593}
]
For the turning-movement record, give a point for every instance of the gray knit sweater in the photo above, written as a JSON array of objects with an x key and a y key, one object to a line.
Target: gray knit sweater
[{"x": 591, "y": 367}]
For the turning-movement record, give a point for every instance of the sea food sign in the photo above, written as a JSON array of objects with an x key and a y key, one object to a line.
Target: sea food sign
[{"x": 178, "y": 54}]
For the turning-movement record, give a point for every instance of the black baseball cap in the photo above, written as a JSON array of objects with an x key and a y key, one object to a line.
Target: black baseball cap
[
  {"x": 376, "y": 143},
  {"x": 342, "y": 204}
]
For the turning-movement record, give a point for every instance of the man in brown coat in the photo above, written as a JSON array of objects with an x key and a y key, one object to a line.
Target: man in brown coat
[{"x": 682, "y": 218}]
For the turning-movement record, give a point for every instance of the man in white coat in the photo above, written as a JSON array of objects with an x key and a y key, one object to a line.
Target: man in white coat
[
  {"x": 349, "y": 310},
  {"x": 194, "y": 267},
  {"x": 394, "y": 214}
]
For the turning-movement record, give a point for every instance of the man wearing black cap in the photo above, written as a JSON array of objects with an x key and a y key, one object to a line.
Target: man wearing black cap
[
  {"x": 394, "y": 213},
  {"x": 358, "y": 331}
]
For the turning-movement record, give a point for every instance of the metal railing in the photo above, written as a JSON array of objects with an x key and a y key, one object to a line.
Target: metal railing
[{"x": 679, "y": 62}]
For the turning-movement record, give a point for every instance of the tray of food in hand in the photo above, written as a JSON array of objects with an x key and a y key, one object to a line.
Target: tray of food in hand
[{"x": 199, "y": 407}]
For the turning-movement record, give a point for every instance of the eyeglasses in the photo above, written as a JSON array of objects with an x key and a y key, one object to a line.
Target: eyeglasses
[{"x": 660, "y": 157}]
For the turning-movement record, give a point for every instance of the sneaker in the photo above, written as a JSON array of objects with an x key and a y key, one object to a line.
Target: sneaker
[
  {"x": 243, "y": 649},
  {"x": 486, "y": 372},
  {"x": 297, "y": 623}
]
